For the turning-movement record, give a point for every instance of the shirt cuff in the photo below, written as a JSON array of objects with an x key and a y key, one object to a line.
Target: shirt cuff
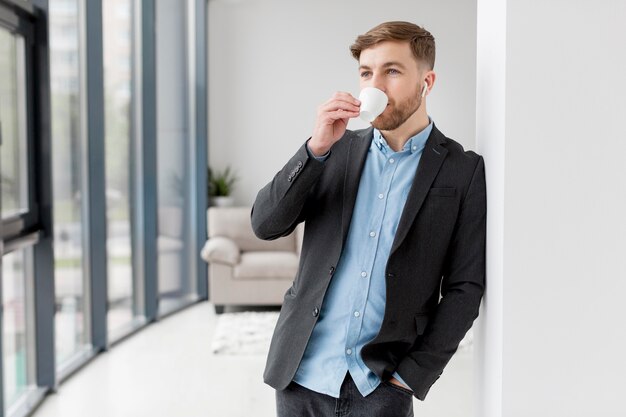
[
  {"x": 396, "y": 376},
  {"x": 319, "y": 158}
]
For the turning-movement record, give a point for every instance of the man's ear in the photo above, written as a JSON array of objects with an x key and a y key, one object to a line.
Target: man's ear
[{"x": 429, "y": 78}]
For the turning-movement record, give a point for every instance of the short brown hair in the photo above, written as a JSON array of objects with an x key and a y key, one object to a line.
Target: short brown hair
[{"x": 421, "y": 41}]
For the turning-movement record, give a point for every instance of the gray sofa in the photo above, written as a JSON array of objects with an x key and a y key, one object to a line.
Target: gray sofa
[{"x": 243, "y": 269}]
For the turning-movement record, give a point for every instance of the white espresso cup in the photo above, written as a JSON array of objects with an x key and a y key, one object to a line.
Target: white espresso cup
[{"x": 373, "y": 103}]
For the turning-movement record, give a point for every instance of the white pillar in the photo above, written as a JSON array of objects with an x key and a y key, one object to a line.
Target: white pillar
[
  {"x": 551, "y": 111},
  {"x": 490, "y": 135}
]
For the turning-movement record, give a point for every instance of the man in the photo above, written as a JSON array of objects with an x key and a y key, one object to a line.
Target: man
[{"x": 392, "y": 266}]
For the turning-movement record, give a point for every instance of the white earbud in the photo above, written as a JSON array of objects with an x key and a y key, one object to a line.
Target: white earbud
[{"x": 424, "y": 89}]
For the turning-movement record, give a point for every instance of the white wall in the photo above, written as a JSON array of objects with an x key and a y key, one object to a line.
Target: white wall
[
  {"x": 562, "y": 280},
  {"x": 272, "y": 62}
]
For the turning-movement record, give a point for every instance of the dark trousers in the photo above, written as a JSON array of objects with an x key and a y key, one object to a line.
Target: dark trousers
[{"x": 387, "y": 400}]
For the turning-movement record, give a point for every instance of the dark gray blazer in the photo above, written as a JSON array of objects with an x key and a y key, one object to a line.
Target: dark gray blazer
[{"x": 439, "y": 246}]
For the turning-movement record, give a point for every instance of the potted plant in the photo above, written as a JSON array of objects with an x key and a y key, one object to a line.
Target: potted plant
[{"x": 220, "y": 187}]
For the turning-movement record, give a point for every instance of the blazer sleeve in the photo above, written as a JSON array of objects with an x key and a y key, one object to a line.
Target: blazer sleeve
[
  {"x": 462, "y": 288},
  {"x": 281, "y": 204}
]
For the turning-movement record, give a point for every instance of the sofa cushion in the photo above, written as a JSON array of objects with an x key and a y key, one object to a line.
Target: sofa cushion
[{"x": 267, "y": 265}]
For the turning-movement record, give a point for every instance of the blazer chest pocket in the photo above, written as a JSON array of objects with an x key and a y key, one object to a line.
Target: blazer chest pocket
[{"x": 442, "y": 191}]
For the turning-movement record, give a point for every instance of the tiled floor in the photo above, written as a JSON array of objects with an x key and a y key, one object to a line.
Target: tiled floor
[{"x": 166, "y": 370}]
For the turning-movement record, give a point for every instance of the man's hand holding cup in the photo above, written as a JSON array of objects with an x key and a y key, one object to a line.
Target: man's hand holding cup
[
  {"x": 332, "y": 120},
  {"x": 332, "y": 116}
]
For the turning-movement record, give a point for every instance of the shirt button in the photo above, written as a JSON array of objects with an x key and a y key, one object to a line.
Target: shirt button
[
  {"x": 373, "y": 234},
  {"x": 349, "y": 351},
  {"x": 357, "y": 314},
  {"x": 316, "y": 311},
  {"x": 380, "y": 196},
  {"x": 363, "y": 274},
  {"x": 414, "y": 148},
  {"x": 391, "y": 161}
]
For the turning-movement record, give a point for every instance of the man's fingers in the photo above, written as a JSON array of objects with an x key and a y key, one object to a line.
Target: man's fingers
[
  {"x": 343, "y": 96},
  {"x": 340, "y": 114},
  {"x": 338, "y": 104}
]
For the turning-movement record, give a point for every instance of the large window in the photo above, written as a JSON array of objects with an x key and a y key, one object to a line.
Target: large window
[
  {"x": 69, "y": 185},
  {"x": 18, "y": 211},
  {"x": 89, "y": 212},
  {"x": 177, "y": 277},
  {"x": 13, "y": 118},
  {"x": 17, "y": 274},
  {"x": 118, "y": 65}
]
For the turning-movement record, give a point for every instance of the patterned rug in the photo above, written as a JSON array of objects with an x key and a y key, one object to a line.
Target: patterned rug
[{"x": 244, "y": 333}]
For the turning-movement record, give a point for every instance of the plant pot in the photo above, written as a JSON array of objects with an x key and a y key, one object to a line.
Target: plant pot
[{"x": 222, "y": 201}]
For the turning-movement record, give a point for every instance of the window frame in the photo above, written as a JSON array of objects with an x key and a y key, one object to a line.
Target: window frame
[
  {"x": 32, "y": 230},
  {"x": 18, "y": 226}
]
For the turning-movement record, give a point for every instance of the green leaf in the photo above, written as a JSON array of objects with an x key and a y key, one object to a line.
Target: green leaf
[{"x": 221, "y": 183}]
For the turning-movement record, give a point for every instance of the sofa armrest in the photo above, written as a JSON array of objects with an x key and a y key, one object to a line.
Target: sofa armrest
[{"x": 221, "y": 250}]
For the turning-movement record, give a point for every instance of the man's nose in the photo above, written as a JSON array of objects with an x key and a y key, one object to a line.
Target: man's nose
[{"x": 378, "y": 81}]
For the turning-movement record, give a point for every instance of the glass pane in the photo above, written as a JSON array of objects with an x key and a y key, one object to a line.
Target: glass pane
[
  {"x": 67, "y": 176},
  {"x": 14, "y": 177},
  {"x": 176, "y": 278},
  {"x": 117, "y": 33},
  {"x": 16, "y": 269}
]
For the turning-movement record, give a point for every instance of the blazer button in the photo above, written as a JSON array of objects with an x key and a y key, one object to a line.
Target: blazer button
[
  {"x": 316, "y": 312},
  {"x": 331, "y": 270},
  {"x": 299, "y": 164}
]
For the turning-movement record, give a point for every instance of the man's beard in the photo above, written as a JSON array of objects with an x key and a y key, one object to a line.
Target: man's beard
[{"x": 399, "y": 114}]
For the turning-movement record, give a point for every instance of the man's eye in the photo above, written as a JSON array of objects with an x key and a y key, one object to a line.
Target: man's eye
[
  {"x": 365, "y": 73},
  {"x": 393, "y": 71}
]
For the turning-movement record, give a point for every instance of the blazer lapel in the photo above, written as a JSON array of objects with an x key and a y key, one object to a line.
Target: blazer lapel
[
  {"x": 430, "y": 162},
  {"x": 357, "y": 154}
]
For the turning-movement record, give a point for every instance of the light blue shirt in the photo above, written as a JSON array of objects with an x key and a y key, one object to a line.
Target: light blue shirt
[{"x": 354, "y": 304}]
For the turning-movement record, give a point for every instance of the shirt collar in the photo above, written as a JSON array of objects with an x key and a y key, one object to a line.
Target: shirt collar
[{"x": 415, "y": 143}]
